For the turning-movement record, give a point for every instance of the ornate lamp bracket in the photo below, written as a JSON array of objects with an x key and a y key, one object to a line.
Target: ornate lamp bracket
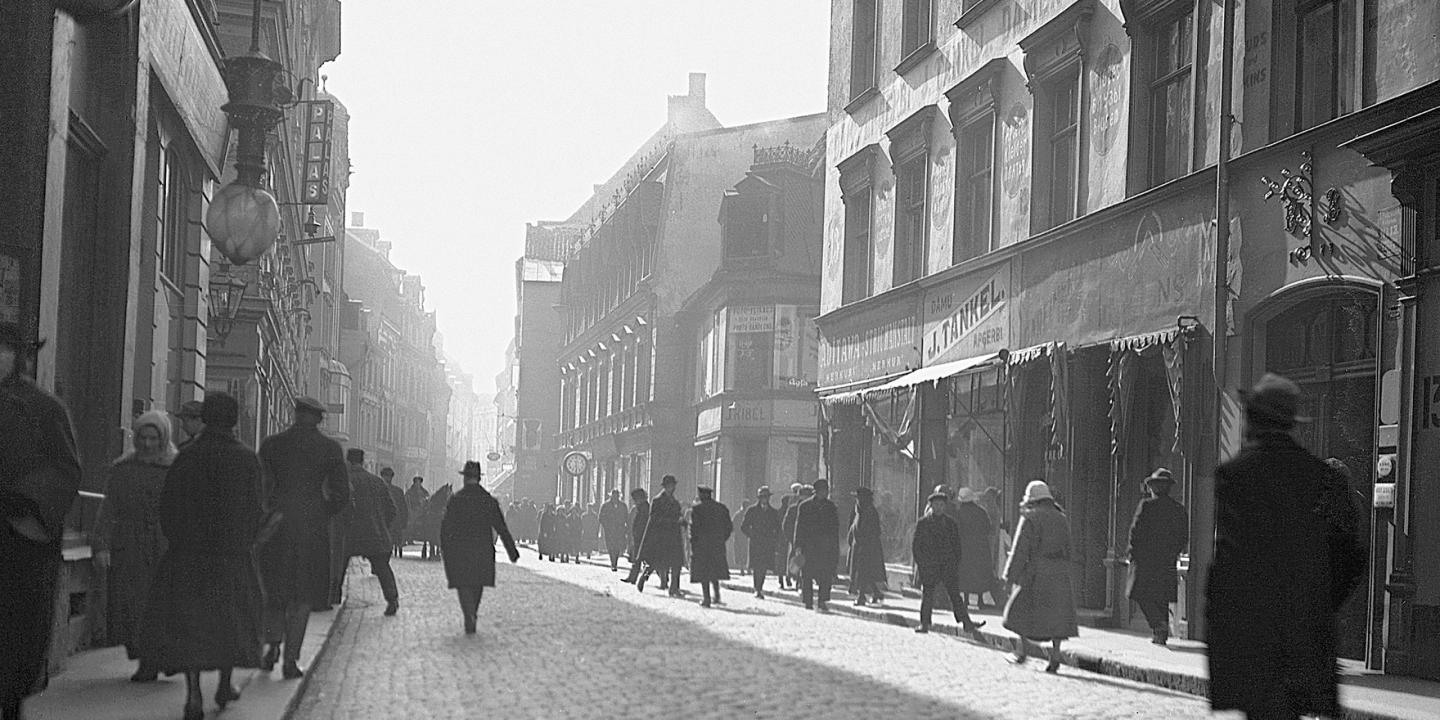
[{"x": 1300, "y": 205}]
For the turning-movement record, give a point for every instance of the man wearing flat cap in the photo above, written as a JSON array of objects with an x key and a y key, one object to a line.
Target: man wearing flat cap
[
  {"x": 1158, "y": 535},
  {"x": 190, "y": 421},
  {"x": 761, "y": 525},
  {"x": 1285, "y": 531},
  {"x": 39, "y": 477},
  {"x": 307, "y": 483}
]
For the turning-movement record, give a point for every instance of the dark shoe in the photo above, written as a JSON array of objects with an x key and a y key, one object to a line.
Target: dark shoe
[
  {"x": 469, "y": 626},
  {"x": 705, "y": 603},
  {"x": 824, "y": 607},
  {"x": 923, "y": 629},
  {"x": 292, "y": 670},
  {"x": 974, "y": 627},
  {"x": 859, "y": 601},
  {"x": 640, "y": 584},
  {"x": 224, "y": 694},
  {"x": 392, "y": 607},
  {"x": 144, "y": 674},
  {"x": 1159, "y": 637},
  {"x": 1053, "y": 667},
  {"x": 272, "y": 656},
  {"x": 808, "y": 606},
  {"x": 759, "y": 595},
  {"x": 194, "y": 712}
]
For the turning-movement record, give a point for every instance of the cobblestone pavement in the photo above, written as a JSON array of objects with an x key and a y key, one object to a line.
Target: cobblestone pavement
[{"x": 572, "y": 641}]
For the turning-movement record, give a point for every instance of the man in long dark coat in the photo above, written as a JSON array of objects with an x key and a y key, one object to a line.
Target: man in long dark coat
[
  {"x": 761, "y": 525},
  {"x": 977, "y": 568},
  {"x": 662, "y": 548},
  {"x": 800, "y": 493},
  {"x": 306, "y": 481},
  {"x": 867, "y": 555},
  {"x": 467, "y": 539},
  {"x": 639, "y": 519},
  {"x": 710, "y": 528},
  {"x": 1157, "y": 537},
  {"x": 39, "y": 477},
  {"x": 817, "y": 536},
  {"x": 402, "y": 511},
  {"x": 614, "y": 525},
  {"x": 1285, "y": 539},
  {"x": 367, "y": 527},
  {"x": 547, "y": 538},
  {"x": 415, "y": 498},
  {"x": 936, "y": 550}
]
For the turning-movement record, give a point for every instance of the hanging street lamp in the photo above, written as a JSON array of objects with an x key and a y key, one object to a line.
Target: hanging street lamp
[{"x": 226, "y": 292}]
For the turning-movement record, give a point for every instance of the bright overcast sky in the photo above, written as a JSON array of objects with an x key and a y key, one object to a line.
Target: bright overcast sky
[{"x": 471, "y": 118}]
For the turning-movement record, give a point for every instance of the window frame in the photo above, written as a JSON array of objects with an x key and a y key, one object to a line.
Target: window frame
[
  {"x": 910, "y": 145},
  {"x": 866, "y": 84},
  {"x": 974, "y": 101},
  {"x": 917, "y": 33},
  {"x": 857, "y": 179},
  {"x": 1056, "y": 55}
]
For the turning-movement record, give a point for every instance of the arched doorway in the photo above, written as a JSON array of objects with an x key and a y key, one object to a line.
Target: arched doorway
[{"x": 1328, "y": 340}]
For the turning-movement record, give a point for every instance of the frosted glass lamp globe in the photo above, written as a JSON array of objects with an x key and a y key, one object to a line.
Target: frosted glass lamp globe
[{"x": 243, "y": 222}]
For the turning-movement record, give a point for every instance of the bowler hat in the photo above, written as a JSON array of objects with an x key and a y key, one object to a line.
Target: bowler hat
[
  {"x": 311, "y": 404},
  {"x": 1273, "y": 402},
  {"x": 705, "y": 490},
  {"x": 1161, "y": 475},
  {"x": 472, "y": 467}
]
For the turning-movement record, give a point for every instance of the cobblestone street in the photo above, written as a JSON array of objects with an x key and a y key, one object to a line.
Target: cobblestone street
[{"x": 572, "y": 641}]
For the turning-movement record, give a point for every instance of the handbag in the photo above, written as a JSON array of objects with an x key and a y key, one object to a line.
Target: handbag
[{"x": 796, "y": 562}]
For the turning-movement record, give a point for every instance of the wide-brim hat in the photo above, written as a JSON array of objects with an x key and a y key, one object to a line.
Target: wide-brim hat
[
  {"x": 472, "y": 467},
  {"x": 1274, "y": 400},
  {"x": 1037, "y": 490},
  {"x": 311, "y": 404},
  {"x": 1159, "y": 477}
]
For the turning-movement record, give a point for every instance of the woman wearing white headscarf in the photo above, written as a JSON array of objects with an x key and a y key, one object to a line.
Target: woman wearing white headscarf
[
  {"x": 127, "y": 534},
  {"x": 1042, "y": 606}
]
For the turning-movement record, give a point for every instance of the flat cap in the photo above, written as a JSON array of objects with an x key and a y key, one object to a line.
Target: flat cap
[{"x": 311, "y": 404}]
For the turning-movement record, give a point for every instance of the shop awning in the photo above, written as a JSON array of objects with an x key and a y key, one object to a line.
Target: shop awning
[
  {"x": 849, "y": 393},
  {"x": 943, "y": 370}
]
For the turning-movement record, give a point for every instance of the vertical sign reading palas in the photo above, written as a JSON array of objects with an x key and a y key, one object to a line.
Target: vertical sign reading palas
[{"x": 316, "y": 187}]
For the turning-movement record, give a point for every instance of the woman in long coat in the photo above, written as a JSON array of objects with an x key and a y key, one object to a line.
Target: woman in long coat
[
  {"x": 127, "y": 535},
  {"x": 467, "y": 539},
  {"x": 547, "y": 539},
  {"x": 1042, "y": 606},
  {"x": 977, "y": 571},
  {"x": 867, "y": 554},
  {"x": 204, "y": 611},
  {"x": 710, "y": 528}
]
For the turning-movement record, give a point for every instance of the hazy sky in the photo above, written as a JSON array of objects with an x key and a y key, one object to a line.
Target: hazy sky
[{"x": 471, "y": 118}]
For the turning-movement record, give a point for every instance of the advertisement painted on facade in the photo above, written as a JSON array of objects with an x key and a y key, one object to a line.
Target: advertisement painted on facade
[
  {"x": 967, "y": 317},
  {"x": 881, "y": 342}
]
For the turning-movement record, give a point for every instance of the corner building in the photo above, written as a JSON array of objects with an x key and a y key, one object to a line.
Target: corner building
[{"x": 1020, "y": 265}]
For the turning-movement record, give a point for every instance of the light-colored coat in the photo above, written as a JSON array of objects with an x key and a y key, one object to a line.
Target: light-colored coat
[{"x": 1043, "y": 605}]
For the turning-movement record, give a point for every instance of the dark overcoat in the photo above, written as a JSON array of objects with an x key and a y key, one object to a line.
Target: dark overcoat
[
  {"x": 817, "y": 534},
  {"x": 867, "y": 553},
  {"x": 589, "y": 531},
  {"x": 1043, "y": 604},
  {"x": 467, "y": 537},
  {"x": 788, "y": 506},
  {"x": 402, "y": 514},
  {"x": 415, "y": 498},
  {"x": 547, "y": 541},
  {"x": 1157, "y": 536},
  {"x": 761, "y": 525},
  {"x": 935, "y": 547},
  {"x": 614, "y": 520},
  {"x": 710, "y": 528},
  {"x": 205, "y": 606},
  {"x": 368, "y": 519},
  {"x": 977, "y": 572},
  {"x": 639, "y": 519},
  {"x": 128, "y": 527},
  {"x": 427, "y": 528},
  {"x": 307, "y": 481},
  {"x": 1285, "y": 539},
  {"x": 39, "y": 477},
  {"x": 662, "y": 546}
]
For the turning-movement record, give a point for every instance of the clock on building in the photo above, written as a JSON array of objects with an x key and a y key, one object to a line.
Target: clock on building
[{"x": 576, "y": 463}]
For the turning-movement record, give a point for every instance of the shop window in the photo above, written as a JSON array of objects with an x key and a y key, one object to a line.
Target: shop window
[
  {"x": 910, "y": 153},
  {"x": 1054, "y": 61},
  {"x": 864, "y": 46},
  {"x": 973, "y": 118},
  {"x": 856, "y": 187},
  {"x": 1334, "y": 59}
]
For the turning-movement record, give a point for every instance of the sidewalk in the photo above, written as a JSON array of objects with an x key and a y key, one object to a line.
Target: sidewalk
[
  {"x": 95, "y": 684},
  {"x": 1180, "y": 666}
]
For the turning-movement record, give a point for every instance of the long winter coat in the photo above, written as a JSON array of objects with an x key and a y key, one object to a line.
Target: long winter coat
[
  {"x": 867, "y": 553},
  {"x": 128, "y": 527},
  {"x": 977, "y": 574},
  {"x": 817, "y": 534},
  {"x": 204, "y": 610},
  {"x": 1042, "y": 607},
  {"x": 589, "y": 531},
  {"x": 402, "y": 514},
  {"x": 762, "y": 525},
  {"x": 639, "y": 519},
  {"x": 787, "y": 509},
  {"x": 548, "y": 540},
  {"x": 467, "y": 537},
  {"x": 307, "y": 481},
  {"x": 1157, "y": 536},
  {"x": 368, "y": 519},
  {"x": 935, "y": 548},
  {"x": 662, "y": 546},
  {"x": 415, "y": 498},
  {"x": 1285, "y": 542},
  {"x": 710, "y": 528},
  {"x": 39, "y": 475},
  {"x": 613, "y": 525}
]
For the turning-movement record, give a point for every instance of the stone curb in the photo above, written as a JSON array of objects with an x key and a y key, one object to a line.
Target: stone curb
[{"x": 340, "y": 616}]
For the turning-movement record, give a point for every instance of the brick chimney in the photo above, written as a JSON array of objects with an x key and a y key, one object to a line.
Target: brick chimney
[{"x": 684, "y": 107}]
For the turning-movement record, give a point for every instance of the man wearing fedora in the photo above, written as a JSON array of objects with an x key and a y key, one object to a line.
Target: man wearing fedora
[
  {"x": 1158, "y": 535},
  {"x": 367, "y": 527},
  {"x": 663, "y": 548},
  {"x": 761, "y": 524},
  {"x": 1284, "y": 532},
  {"x": 614, "y": 525},
  {"x": 467, "y": 540},
  {"x": 307, "y": 483},
  {"x": 817, "y": 538},
  {"x": 190, "y": 421}
]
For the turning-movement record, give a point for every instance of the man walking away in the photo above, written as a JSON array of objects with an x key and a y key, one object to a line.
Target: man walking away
[
  {"x": 761, "y": 525},
  {"x": 307, "y": 483},
  {"x": 710, "y": 528},
  {"x": 402, "y": 512},
  {"x": 639, "y": 519},
  {"x": 817, "y": 537},
  {"x": 1286, "y": 541},
  {"x": 368, "y": 522},
  {"x": 1157, "y": 536},
  {"x": 614, "y": 522},
  {"x": 662, "y": 548},
  {"x": 937, "y": 552},
  {"x": 467, "y": 540}
]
